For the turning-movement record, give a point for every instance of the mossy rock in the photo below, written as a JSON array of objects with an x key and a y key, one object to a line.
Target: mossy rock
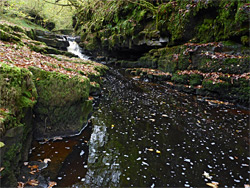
[
  {"x": 17, "y": 95},
  {"x": 183, "y": 62},
  {"x": 167, "y": 64},
  {"x": 10, "y": 162},
  {"x": 57, "y": 89},
  {"x": 17, "y": 89},
  {"x": 195, "y": 79},
  {"x": 180, "y": 79},
  {"x": 8, "y": 37},
  {"x": 241, "y": 90},
  {"x": 218, "y": 87},
  {"x": 63, "y": 105},
  {"x": 226, "y": 65}
]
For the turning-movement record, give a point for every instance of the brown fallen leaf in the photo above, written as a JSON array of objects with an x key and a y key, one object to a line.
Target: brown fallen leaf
[
  {"x": 25, "y": 163},
  {"x": 52, "y": 184},
  {"x": 20, "y": 185},
  {"x": 32, "y": 182},
  {"x": 1, "y": 169},
  {"x": 33, "y": 172},
  {"x": 91, "y": 98},
  {"x": 33, "y": 167},
  {"x": 213, "y": 184}
]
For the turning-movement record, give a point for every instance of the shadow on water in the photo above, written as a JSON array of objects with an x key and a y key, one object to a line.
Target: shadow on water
[{"x": 147, "y": 135}]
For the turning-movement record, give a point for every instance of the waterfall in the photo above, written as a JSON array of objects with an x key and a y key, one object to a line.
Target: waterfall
[{"x": 74, "y": 48}]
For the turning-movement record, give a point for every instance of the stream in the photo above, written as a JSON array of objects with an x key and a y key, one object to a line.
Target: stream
[{"x": 143, "y": 134}]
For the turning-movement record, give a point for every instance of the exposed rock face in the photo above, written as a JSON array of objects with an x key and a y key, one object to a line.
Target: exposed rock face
[
  {"x": 130, "y": 29},
  {"x": 53, "y": 40},
  {"x": 191, "y": 41}
]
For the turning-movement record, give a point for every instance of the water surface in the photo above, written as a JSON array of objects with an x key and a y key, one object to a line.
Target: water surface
[{"x": 147, "y": 135}]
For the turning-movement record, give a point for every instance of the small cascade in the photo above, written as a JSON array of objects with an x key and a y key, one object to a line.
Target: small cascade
[{"x": 75, "y": 48}]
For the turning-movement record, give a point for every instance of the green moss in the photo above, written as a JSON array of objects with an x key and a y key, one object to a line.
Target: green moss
[
  {"x": 8, "y": 37},
  {"x": 17, "y": 91},
  {"x": 245, "y": 40},
  {"x": 195, "y": 79},
  {"x": 10, "y": 163},
  {"x": 58, "y": 89},
  {"x": 218, "y": 87},
  {"x": 180, "y": 79},
  {"x": 204, "y": 30},
  {"x": 183, "y": 62}
]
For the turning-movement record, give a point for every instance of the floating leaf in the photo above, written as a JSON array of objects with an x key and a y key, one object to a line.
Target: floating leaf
[
  {"x": 57, "y": 138},
  {"x": 52, "y": 184},
  {"x": 207, "y": 175},
  {"x": 153, "y": 120},
  {"x": 25, "y": 163},
  {"x": 158, "y": 151},
  {"x": 33, "y": 172},
  {"x": 20, "y": 185},
  {"x": 150, "y": 149},
  {"x": 47, "y": 160},
  {"x": 213, "y": 184},
  {"x": 33, "y": 167},
  {"x": 33, "y": 182},
  {"x": 164, "y": 115}
]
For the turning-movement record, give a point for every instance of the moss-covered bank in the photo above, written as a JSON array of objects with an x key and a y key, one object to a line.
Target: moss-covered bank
[
  {"x": 44, "y": 94},
  {"x": 17, "y": 97},
  {"x": 218, "y": 70},
  {"x": 129, "y": 28},
  {"x": 202, "y": 46}
]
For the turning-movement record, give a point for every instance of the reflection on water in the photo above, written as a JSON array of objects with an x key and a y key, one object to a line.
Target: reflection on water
[
  {"x": 146, "y": 135},
  {"x": 68, "y": 158}
]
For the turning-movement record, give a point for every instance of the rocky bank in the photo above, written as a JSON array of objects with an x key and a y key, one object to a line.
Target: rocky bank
[
  {"x": 200, "y": 46},
  {"x": 44, "y": 93}
]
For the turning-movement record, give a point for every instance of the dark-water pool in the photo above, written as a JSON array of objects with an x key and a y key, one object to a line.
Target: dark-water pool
[{"x": 147, "y": 135}]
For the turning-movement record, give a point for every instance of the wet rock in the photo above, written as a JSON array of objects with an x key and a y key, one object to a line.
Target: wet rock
[
  {"x": 63, "y": 105},
  {"x": 33, "y": 171},
  {"x": 53, "y": 40}
]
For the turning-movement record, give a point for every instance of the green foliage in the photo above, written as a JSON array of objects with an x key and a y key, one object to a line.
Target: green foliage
[
  {"x": 60, "y": 15},
  {"x": 2, "y": 144}
]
